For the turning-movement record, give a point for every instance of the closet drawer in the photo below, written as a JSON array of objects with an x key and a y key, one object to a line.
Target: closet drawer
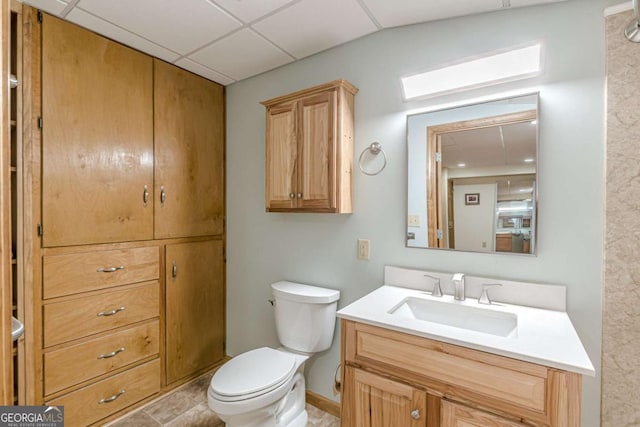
[
  {"x": 72, "y": 365},
  {"x": 68, "y": 320},
  {"x": 99, "y": 400},
  {"x": 489, "y": 378},
  {"x": 74, "y": 273}
]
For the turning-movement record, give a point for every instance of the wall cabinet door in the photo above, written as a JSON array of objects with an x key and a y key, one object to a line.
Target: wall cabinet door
[
  {"x": 454, "y": 415},
  {"x": 97, "y": 138},
  {"x": 380, "y": 402},
  {"x": 194, "y": 307},
  {"x": 189, "y": 153},
  {"x": 310, "y": 150}
]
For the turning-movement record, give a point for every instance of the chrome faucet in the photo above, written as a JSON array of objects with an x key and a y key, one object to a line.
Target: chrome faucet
[
  {"x": 437, "y": 290},
  {"x": 458, "y": 284}
]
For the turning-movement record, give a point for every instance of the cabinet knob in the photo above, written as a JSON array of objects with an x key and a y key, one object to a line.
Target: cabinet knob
[
  {"x": 145, "y": 196},
  {"x": 415, "y": 414},
  {"x": 292, "y": 196},
  {"x": 174, "y": 270},
  {"x": 299, "y": 195},
  {"x": 163, "y": 196}
]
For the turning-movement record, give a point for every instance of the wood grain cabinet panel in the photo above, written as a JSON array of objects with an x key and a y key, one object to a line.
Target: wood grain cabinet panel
[
  {"x": 72, "y": 365},
  {"x": 88, "y": 271},
  {"x": 97, "y": 401},
  {"x": 189, "y": 153},
  {"x": 194, "y": 308},
  {"x": 382, "y": 402},
  {"x": 72, "y": 319},
  {"x": 464, "y": 387},
  {"x": 309, "y": 142},
  {"x": 97, "y": 138}
]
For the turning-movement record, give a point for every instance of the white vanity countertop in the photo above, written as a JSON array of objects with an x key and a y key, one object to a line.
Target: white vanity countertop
[{"x": 545, "y": 337}]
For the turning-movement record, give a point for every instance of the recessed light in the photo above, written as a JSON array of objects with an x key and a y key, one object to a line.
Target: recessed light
[
  {"x": 516, "y": 64},
  {"x": 529, "y": 160},
  {"x": 534, "y": 122},
  {"x": 461, "y": 165}
]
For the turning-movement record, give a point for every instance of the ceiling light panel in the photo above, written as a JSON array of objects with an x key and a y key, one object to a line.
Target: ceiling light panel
[
  {"x": 311, "y": 26},
  {"x": 181, "y": 26},
  {"x": 251, "y": 10},
  {"x": 105, "y": 28},
  {"x": 241, "y": 55}
]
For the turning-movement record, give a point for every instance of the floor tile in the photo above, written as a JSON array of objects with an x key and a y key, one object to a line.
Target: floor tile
[
  {"x": 136, "y": 419},
  {"x": 171, "y": 406},
  {"x": 199, "y": 416}
]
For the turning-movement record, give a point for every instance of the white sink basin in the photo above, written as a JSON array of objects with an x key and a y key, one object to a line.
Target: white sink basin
[
  {"x": 17, "y": 328},
  {"x": 483, "y": 320}
]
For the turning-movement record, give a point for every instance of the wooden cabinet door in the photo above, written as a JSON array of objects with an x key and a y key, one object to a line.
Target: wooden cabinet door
[
  {"x": 454, "y": 415},
  {"x": 194, "y": 307},
  {"x": 189, "y": 153},
  {"x": 376, "y": 401},
  {"x": 282, "y": 153},
  {"x": 316, "y": 154},
  {"x": 97, "y": 138}
]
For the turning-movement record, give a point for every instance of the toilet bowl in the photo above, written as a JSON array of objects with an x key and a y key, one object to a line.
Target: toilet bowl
[{"x": 265, "y": 387}]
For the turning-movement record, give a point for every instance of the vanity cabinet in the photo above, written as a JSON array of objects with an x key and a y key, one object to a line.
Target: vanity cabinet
[
  {"x": 97, "y": 138},
  {"x": 194, "y": 307},
  {"x": 462, "y": 386},
  {"x": 309, "y": 140}
]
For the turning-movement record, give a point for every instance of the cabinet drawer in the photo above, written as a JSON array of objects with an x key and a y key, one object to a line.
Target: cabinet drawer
[
  {"x": 72, "y": 319},
  {"x": 456, "y": 371},
  {"x": 460, "y": 416},
  {"x": 72, "y": 365},
  {"x": 83, "y": 407},
  {"x": 74, "y": 273}
]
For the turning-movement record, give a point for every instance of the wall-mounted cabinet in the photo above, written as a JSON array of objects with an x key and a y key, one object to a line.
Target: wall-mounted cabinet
[{"x": 309, "y": 140}]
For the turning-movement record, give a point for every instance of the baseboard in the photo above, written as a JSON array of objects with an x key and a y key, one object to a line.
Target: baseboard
[{"x": 321, "y": 402}]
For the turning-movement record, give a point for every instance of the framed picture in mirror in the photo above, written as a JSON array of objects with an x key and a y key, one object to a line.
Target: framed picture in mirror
[{"x": 472, "y": 199}]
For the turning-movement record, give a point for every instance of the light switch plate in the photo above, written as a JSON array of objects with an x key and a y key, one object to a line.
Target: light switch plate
[
  {"x": 363, "y": 249},
  {"x": 414, "y": 221}
]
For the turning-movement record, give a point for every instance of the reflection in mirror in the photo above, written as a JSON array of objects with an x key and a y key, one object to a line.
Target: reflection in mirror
[{"x": 472, "y": 174}]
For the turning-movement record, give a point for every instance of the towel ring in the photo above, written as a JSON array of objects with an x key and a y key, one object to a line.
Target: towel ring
[{"x": 375, "y": 148}]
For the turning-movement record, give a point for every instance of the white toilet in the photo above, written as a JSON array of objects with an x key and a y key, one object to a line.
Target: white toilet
[{"x": 266, "y": 387}]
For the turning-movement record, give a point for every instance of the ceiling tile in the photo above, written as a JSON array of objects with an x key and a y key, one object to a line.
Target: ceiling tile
[
  {"x": 89, "y": 21},
  {"x": 203, "y": 71},
  {"x": 250, "y": 10},
  {"x": 51, "y": 6},
  {"x": 181, "y": 26},
  {"x": 311, "y": 26},
  {"x": 240, "y": 55},
  {"x": 404, "y": 12}
]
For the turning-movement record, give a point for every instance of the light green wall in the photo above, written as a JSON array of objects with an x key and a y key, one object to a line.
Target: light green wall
[{"x": 321, "y": 249}]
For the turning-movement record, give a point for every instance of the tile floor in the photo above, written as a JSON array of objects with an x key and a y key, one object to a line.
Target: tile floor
[{"x": 187, "y": 407}]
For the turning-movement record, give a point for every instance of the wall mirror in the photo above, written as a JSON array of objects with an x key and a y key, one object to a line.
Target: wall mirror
[{"x": 472, "y": 177}]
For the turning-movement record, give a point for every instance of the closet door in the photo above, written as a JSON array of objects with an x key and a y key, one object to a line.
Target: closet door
[
  {"x": 194, "y": 307},
  {"x": 97, "y": 143},
  {"x": 189, "y": 154}
]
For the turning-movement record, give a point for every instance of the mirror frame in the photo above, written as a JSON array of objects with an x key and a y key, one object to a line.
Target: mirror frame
[{"x": 434, "y": 211}]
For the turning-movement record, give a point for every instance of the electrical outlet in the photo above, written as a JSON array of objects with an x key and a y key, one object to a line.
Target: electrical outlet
[
  {"x": 363, "y": 249},
  {"x": 414, "y": 221}
]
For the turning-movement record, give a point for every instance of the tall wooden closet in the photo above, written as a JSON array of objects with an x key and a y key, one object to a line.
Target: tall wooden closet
[{"x": 124, "y": 217}]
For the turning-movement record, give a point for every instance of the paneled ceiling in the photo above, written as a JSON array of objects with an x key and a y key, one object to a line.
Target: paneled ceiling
[{"x": 230, "y": 40}]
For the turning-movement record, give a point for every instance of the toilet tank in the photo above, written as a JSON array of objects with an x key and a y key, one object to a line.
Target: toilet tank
[{"x": 305, "y": 316}]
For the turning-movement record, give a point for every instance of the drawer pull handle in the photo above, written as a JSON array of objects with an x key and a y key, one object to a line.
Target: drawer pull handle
[
  {"x": 415, "y": 414},
  {"x": 110, "y": 269},
  {"x": 110, "y": 355},
  {"x": 111, "y": 312},
  {"x": 145, "y": 196},
  {"x": 112, "y": 398}
]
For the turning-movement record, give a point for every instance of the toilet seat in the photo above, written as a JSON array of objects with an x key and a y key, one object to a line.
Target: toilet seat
[{"x": 252, "y": 374}]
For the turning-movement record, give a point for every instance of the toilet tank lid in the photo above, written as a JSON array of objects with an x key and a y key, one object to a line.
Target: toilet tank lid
[{"x": 304, "y": 293}]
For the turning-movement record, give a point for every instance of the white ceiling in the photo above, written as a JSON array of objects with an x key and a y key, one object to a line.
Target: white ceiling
[{"x": 230, "y": 40}]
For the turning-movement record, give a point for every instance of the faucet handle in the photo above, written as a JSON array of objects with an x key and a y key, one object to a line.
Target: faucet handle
[
  {"x": 437, "y": 290},
  {"x": 484, "y": 297}
]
